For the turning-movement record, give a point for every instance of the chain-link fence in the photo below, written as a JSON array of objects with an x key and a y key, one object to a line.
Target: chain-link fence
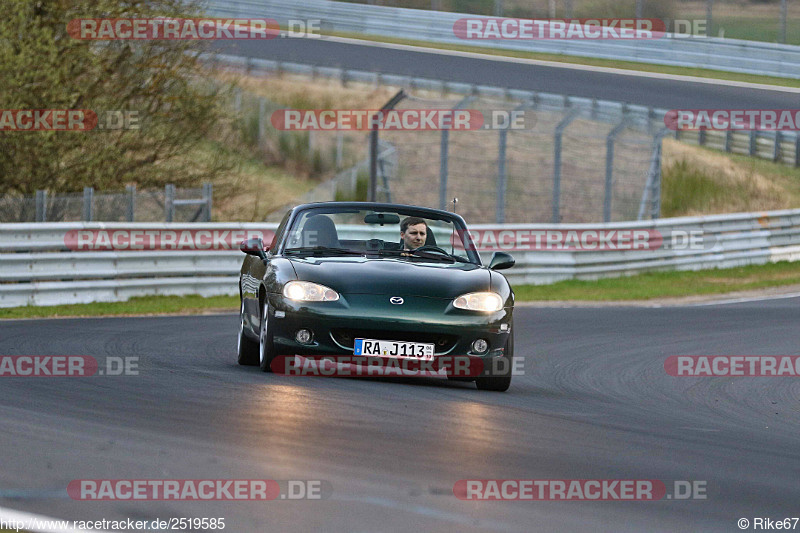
[
  {"x": 562, "y": 165},
  {"x": 168, "y": 205}
]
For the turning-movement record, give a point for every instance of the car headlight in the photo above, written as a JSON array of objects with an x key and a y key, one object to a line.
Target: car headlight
[
  {"x": 305, "y": 291},
  {"x": 479, "y": 301}
]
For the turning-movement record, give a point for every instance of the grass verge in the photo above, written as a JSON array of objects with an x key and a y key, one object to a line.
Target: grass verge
[
  {"x": 143, "y": 305},
  {"x": 653, "y": 285},
  {"x": 641, "y": 287},
  {"x": 704, "y": 181}
]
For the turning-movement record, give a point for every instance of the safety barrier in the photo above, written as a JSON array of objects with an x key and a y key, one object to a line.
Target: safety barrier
[{"x": 39, "y": 264}]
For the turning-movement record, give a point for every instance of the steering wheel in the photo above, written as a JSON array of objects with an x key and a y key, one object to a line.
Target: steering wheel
[
  {"x": 430, "y": 247},
  {"x": 374, "y": 245}
]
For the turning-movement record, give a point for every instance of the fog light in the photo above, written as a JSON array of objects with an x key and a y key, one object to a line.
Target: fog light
[
  {"x": 480, "y": 346},
  {"x": 303, "y": 336}
]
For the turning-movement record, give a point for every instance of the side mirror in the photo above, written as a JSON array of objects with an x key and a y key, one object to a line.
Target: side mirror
[
  {"x": 254, "y": 247},
  {"x": 501, "y": 261}
]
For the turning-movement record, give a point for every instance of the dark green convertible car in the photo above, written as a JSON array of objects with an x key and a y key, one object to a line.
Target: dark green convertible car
[{"x": 376, "y": 280}]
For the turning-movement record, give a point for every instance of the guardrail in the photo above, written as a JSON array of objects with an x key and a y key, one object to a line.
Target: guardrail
[
  {"x": 38, "y": 266},
  {"x": 730, "y": 55},
  {"x": 779, "y": 146}
]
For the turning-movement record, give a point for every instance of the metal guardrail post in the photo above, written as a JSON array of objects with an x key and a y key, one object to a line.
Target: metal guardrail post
[
  {"x": 88, "y": 200},
  {"x": 208, "y": 194},
  {"x": 776, "y": 150},
  {"x": 559, "y": 132},
  {"x": 169, "y": 202},
  {"x": 701, "y": 137},
  {"x": 797, "y": 149},
  {"x": 131, "y": 210},
  {"x": 753, "y": 143},
  {"x": 728, "y": 140},
  {"x": 41, "y": 206},
  {"x": 612, "y": 136}
]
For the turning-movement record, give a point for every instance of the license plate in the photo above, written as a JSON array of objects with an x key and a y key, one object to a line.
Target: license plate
[{"x": 410, "y": 350}]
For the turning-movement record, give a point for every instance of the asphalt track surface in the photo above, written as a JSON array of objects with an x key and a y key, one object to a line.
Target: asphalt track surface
[
  {"x": 647, "y": 91},
  {"x": 594, "y": 403}
]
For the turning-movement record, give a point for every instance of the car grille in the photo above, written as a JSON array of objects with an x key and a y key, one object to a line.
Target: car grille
[{"x": 346, "y": 337}]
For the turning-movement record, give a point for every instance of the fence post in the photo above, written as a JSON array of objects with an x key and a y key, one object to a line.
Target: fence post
[
  {"x": 753, "y": 143},
  {"x": 710, "y": 17},
  {"x": 612, "y": 136},
  {"x": 88, "y": 201},
  {"x": 372, "y": 191},
  {"x": 339, "y": 149},
  {"x": 559, "y": 132},
  {"x": 208, "y": 194},
  {"x": 41, "y": 206},
  {"x": 500, "y": 212},
  {"x": 261, "y": 110},
  {"x": 653, "y": 179},
  {"x": 776, "y": 151},
  {"x": 169, "y": 202},
  {"x": 444, "y": 148},
  {"x": 443, "y": 160},
  {"x": 498, "y": 8},
  {"x": 655, "y": 205},
  {"x": 131, "y": 189},
  {"x": 728, "y": 140},
  {"x": 783, "y": 22},
  {"x": 237, "y": 99}
]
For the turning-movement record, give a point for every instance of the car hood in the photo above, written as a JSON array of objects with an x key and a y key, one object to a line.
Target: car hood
[{"x": 394, "y": 277}]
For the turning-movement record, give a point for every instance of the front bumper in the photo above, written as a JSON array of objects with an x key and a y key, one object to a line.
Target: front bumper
[{"x": 335, "y": 325}]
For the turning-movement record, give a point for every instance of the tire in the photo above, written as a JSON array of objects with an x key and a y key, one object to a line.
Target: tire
[
  {"x": 247, "y": 349},
  {"x": 266, "y": 350},
  {"x": 501, "y": 382}
]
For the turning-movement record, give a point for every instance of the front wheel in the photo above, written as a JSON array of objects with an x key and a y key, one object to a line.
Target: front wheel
[
  {"x": 499, "y": 379},
  {"x": 247, "y": 349},
  {"x": 266, "y": 350}
]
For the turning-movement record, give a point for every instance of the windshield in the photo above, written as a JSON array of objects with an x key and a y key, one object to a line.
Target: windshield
[{"x": 332, "y": 231}]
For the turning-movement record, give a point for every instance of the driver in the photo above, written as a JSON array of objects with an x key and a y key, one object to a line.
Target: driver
[{"x": 414, "y": 232}]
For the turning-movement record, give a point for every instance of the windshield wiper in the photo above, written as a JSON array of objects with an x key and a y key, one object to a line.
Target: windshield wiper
[{"x": 321, "y": 250}]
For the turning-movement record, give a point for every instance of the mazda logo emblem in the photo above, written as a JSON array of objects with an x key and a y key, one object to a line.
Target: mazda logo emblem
[{"x": 396, "y": 300}]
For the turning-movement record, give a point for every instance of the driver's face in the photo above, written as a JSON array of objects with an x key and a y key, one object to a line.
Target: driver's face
[{"x": 414, "y": 236}]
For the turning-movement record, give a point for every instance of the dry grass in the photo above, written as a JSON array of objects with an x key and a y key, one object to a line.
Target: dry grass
[
  {"x": 299, "y": 92},
  {"x": 699, "y": 181}
]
